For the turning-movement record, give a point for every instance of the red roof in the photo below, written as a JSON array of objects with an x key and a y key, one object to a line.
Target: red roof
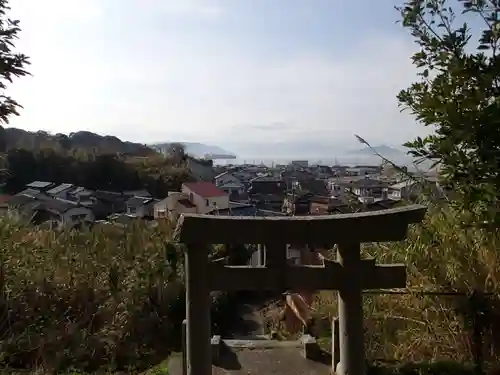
[{"x": 205, "y": 189}]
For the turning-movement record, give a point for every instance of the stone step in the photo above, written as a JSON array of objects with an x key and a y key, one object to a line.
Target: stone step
[
  {"x": 261, "y": 344},
  {"x": 266, "y": 342},
  {"x": 260, "y": 361},
  {"x": 253, "y": 337}
]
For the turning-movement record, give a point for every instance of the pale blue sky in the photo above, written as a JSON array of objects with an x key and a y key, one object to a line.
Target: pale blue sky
[{"x": 223, "y": 72}]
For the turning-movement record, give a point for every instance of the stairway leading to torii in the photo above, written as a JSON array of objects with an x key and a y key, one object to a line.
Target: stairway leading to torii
[{"x": 261, "y": 355}]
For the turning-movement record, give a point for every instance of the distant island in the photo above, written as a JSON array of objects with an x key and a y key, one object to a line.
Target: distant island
[{"x": 199, "y": 150}]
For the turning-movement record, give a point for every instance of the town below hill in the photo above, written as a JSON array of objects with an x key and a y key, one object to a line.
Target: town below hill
[
  {"x": 85, "y": 178},
  {"x": 237, "y": 190}
]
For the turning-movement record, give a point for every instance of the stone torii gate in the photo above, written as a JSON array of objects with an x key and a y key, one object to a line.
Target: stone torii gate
[{"x": 350, "y": 274}]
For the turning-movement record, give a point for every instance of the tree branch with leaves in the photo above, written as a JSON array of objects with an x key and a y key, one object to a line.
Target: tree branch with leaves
[
  {"x": 458, "y": 96},
  {"x": 12, "y": 64}
]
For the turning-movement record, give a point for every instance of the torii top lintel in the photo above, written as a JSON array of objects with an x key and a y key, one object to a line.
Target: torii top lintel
[{"x": 374, "y": 226}]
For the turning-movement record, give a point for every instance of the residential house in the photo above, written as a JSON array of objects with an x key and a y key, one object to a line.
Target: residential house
[
  {"x": 412, "y": 188},
  {"x": 30, "y": 192},
  {"x": 87, "y": 198},
  {"x": 403, "y": 190},
  {"x": 323, "y": 172},
  {"x": 60, "y": 191},
  {"x": 362, "y": 170},
  {"x": 314, "y": 186},
  {"x": 232, "y": 185},
  {"x": 173, "y": 205},
  {"x": 267, "y": 193},
  {"x": 367, "y": 188},
  {"x": 267, "y": 185},
  {"x": 43, "y": 208},
  {"x": 293, "y": 178},
  {"x": 140, "y": 206},
  {"x": 339, "y": 170},
  {"x": 64, "y": 214},
  {"x": 273, "y": 202},
  {"x": 82, "y": 196},
  {"x": 245, "y": 176},
  {"x": 206, "y": 196},
  {"x": 40, "y": 185},
  {"x": 297, "y": 204},
  {"x": 235, "y": 190},
  {"x": 274, "y": 172},
  {"x": 110, "y": 201},
  {"x": 226, "y": 178},
  {"x": 339, "y": 186}
]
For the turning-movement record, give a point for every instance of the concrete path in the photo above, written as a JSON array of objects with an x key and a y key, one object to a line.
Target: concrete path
[
  {"x": 246, "y": 350},
  {"x": 260, "y": 361}
]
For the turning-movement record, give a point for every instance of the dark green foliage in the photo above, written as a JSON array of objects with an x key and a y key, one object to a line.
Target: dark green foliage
[
  {"x": 458, "y": 95},
  {"x": 12, "y": 64},
  {"x": 82, "y": 142},
  {"x": 90, "y": 160},
  {"x": 104, "y": 172}
]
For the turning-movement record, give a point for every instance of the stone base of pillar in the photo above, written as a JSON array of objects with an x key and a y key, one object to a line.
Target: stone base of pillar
[
  {"x": 215, "y": 342},
  {"x": 310, "y": 348}
]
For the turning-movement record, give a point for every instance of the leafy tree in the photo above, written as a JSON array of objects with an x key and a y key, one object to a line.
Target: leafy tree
[
  {"x": 3, "y": 139},
  {"x": 177, "y": 151},
  {"x": 22, "y": 166},
  {"x": 458, "y": 95},
  {"x": 12, "y": 63},
  {"x": 63, "y": 141}
]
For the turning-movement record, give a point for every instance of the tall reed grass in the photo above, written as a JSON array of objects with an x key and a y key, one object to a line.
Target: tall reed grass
[
  {"x": 443, "y": 255},
  {"x": 106, "y": 297}
]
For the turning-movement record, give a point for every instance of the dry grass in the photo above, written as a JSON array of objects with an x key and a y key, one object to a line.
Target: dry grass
[
  {"x": 113, "y": 300},
  {"x": 440, "y": 255},
  {"x": 104, "y": 299}
]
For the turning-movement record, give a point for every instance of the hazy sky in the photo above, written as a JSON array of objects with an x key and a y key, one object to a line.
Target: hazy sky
[{"x": 222, "y": 72}]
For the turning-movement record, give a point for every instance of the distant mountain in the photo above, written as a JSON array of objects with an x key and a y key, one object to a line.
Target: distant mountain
[
  {"x": 383, "y": 150},
  {"x": 83, "y": 140},
  {"x": 199, "y": 150}
]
